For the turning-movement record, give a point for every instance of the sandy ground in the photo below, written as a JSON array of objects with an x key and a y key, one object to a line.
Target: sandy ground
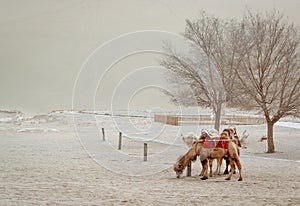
[{"x": 52, "y": 168}]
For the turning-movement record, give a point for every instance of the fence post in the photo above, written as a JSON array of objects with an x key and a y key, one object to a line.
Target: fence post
[
  {"x": 120, "y": 140},
  {"x": 103, "y": 134},
  {"x": 189, "y": 169},
  {"x": 145, "y": 151}
]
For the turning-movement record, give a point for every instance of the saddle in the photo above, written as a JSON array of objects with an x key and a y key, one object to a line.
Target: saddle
[
  {"x": 219, "y": 142},
  {"x": 223, "y": 143},
  {"x": 209, "y": 143}
]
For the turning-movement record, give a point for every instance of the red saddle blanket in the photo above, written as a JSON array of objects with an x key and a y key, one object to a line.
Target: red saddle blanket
[
  {"x": 210, "y": 142},
  {"x": 219, "y": 142}
]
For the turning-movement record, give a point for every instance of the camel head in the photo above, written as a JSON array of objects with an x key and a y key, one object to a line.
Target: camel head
[
  {"x": 178, "y": 168},
  {"x": 180, "y": 165},
  {"x": 183, "y": 160},
  {"x": 227, "y": 133},
  {"x": 233, "y": 136}
]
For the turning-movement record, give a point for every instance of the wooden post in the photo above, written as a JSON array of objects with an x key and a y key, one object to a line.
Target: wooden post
[
  {"x": 145, "y": 151},
  {"x": 103, "y": 134},
  {"x": 189, "y": 169},
  {"x": 120, "y": 140}
]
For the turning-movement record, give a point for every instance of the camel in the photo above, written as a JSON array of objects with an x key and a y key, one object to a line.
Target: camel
[
  {"x": 235, "y": 138},
  {"x": 207, "y": 154},
  {"x": 217, "y": 154},
  {"x": 191, "y": 138},
  {"x": 218, "y": 150}
]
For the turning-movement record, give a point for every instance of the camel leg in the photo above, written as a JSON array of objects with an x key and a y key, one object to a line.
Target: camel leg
[
  {"x": 231, "y": 165},
  {"x": 233, "y": 168},
  {"x": 227, "y": 164},
  {"x": 210, "y": 167},
  {"x": 202, "y": 171},
  {"x": 219, "y": 164},
  {"x": 217, "y": 170},
  {"x": 205, "y": 168},
  {"x": 239, "y": 166}
]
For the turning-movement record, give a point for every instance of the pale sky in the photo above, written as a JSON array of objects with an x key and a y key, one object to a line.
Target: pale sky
[{"x": 43, "y": 45}]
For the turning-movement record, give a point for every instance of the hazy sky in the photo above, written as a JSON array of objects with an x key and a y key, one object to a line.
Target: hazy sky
[{"x": 43, "y": 45}]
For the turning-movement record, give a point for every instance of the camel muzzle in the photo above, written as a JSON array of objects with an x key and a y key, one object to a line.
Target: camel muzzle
[{"x": 179, "y": 173}]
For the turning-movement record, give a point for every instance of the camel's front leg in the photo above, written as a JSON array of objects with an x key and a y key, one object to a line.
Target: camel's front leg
[
  {"x": 219, "y": 165},
  {"x": 217, "y": 170},
  {"x": 202, "y": 171},
  {"x": 210, "y": 167},
  {"x": 231, "y": 165},
  {"x": 205, "y": 168},
  {"x": 227, "y": 164}
]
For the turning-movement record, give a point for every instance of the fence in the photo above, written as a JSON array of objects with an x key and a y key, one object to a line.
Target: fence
[
  {"x": 207, "y": 120},
  {"x": 167, "y": 119}
]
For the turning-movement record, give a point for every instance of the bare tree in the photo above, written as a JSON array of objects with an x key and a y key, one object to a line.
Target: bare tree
[
  {"x": 207, "y": 69},
  {"x": 268, "y": 67},
  {"x": 192, "y": 83},
  {"x": 252, "y": 64}
]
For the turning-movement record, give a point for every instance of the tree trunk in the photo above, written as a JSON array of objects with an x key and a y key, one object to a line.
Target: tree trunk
[
  {"x": 218, "y": 117},
  {"x": 271, "y": 146}
]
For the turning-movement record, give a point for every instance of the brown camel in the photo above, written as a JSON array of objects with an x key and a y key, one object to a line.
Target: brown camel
[
  {"x": 236, "y": 140},
  {"x": 211, "y": 143},
  {"x": 191, "y": 138},
  {"x": 206, "y": 154},
  {"x": 218, "y": 150}
]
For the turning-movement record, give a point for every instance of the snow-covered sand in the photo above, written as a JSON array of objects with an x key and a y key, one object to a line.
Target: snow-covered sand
[{"x": 44, "y": 161}]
